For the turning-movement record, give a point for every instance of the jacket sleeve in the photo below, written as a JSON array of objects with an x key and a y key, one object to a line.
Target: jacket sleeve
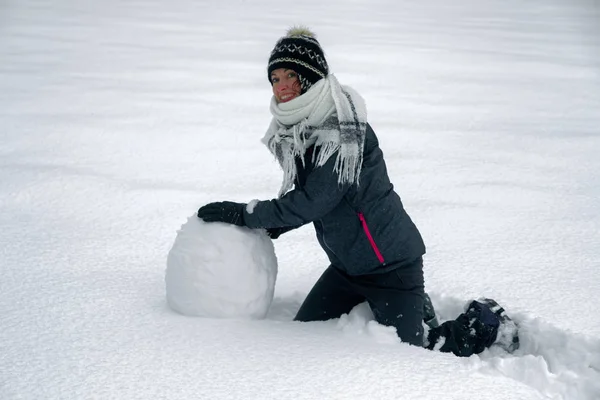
[{"x": 320, "y": 194}]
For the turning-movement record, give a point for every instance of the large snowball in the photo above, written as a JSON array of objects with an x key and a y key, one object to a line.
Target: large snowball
[{"x": 221, "y": 271}]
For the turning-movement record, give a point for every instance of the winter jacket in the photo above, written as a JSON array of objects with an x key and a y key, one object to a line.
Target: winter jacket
[{"x": 362, "y": 227}]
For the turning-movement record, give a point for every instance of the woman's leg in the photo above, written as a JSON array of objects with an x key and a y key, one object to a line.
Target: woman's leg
[
  {"x": 332, "y": 296},
  {"x": 397, "y": 298}
]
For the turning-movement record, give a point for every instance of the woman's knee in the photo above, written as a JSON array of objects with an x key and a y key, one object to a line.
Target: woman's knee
[{"x": 405, "y": 313}]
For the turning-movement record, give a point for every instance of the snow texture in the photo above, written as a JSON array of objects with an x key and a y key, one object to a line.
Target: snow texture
[
  {"x": 251, "y": 205},
  {"x": 221, "y": 271},
  {"x": 118, "y": 119}
]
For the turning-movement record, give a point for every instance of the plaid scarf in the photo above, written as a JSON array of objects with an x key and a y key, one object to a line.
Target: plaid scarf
[{"x": 329, "y": 116}]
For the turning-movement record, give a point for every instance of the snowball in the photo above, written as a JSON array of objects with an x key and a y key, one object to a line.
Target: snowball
[{"x": 220, "y": 270}]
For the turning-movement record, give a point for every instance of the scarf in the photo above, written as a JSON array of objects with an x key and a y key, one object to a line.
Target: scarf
[{"x": 329, "y": 116}]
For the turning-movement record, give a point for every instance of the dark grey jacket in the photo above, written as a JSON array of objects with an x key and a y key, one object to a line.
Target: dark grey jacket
[{"x": 362, "y": 228}]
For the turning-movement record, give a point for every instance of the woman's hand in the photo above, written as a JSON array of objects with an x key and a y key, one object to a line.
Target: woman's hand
[
  {"x": 223, "y": 211},
  {"x": 274, "y": 233}
]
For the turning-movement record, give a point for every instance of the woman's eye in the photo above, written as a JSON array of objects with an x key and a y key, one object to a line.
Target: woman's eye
[
  {"x": 292, "y": 75},
  {"x": 274, "y": 80}
]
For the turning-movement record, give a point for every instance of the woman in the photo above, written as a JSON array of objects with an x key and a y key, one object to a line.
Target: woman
[{"x": 335, "y": 177}]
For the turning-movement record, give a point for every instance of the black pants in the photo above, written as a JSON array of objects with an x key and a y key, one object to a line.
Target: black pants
[{"x": 395, "y": 297}]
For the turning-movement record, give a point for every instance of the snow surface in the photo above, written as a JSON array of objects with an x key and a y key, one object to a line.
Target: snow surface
[
  {"x": 219, "y": 270},
  {"x": 119, "y": 119}
]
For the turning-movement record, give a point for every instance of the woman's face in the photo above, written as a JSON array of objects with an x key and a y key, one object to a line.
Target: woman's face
[{"x": 286, "y": 85}]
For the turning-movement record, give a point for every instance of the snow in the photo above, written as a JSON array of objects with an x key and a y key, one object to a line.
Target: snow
[
  {"x": 218, "y": 270},
  {"x": 251, "y": 205},
  {"x": 119, "y": 119}
]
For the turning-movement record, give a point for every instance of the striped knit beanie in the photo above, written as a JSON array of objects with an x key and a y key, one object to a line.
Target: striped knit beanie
[{"x": 299, "y": 51}]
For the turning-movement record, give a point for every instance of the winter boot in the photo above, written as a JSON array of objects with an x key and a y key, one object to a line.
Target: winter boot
[
  {"x": 429, "y": 316},
  {"x": 508, "y": 333}
]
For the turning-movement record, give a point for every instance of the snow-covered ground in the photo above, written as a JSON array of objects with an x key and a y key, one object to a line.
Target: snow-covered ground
[{"x": 119, "y": 119}]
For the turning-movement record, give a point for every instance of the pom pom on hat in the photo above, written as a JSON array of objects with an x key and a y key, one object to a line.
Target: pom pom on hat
[
  {"x": 300, "y": 30},
  {"x": 301, "y": 52}
]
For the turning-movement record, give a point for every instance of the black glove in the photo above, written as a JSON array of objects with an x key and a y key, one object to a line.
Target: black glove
[
  {"x": 223, "y": 211},
  {"x": 274, "y": 233}
]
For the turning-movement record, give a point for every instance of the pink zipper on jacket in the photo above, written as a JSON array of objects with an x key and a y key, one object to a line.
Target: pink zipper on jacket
[{"x": 361, "y": 216}]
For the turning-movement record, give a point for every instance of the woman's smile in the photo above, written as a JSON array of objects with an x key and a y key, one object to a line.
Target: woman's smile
[{"x": 287, "y": 97}]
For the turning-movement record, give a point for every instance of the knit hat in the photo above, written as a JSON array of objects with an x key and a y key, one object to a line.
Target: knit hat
[{"x": 299, "y": 51}]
